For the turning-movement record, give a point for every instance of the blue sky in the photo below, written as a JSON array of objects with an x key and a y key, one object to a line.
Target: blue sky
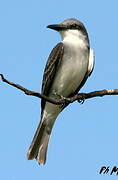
[{"x": 84, "y": 137}]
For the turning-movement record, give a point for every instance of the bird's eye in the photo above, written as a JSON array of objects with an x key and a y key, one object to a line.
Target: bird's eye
[{"x": 74, "y": 26}]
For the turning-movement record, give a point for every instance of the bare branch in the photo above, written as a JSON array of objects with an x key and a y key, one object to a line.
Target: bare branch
[
  {"x": 78, "y": 97},
  {"x": 29, "y": 92}
]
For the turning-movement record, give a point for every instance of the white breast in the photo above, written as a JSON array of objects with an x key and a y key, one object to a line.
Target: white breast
[
  {"x": 74, "y": 37},
  {"x": 74, "y": 64}
]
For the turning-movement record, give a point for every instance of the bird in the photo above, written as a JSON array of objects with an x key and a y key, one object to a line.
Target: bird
[{"x": 69, "y": 65}]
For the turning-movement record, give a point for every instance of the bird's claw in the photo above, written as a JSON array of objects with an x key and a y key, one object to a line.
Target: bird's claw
[
  {"x": 82, "y": 100},
  {"x": 65, "y": 101}
]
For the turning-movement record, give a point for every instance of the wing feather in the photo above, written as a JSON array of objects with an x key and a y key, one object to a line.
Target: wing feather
[{"x": 54, "y": 60}]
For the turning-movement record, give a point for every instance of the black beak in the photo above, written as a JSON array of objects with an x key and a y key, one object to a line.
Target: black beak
[{"x": 57, "y": 27}]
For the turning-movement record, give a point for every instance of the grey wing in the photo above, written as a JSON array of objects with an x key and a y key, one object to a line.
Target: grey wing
[{"x": 50, "y": 70}]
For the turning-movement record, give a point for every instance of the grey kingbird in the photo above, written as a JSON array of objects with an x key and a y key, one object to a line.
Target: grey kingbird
[{"x": 68, "y": 67}]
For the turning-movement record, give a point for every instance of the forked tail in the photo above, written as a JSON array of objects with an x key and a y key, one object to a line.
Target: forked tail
[{"x": 39, "y": 145}]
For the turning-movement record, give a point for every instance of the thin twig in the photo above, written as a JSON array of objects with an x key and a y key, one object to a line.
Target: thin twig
[{"x": 78, "y": 97}]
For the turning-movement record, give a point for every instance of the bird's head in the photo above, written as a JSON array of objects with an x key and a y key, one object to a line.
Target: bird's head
[{"x": 69, "y": 26}]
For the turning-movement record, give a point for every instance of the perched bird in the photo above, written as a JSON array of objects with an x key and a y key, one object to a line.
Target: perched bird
[{"x": 68, "y": 67}]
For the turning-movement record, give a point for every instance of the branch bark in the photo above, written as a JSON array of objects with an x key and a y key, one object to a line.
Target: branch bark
[{"x": 80, "y": 97}]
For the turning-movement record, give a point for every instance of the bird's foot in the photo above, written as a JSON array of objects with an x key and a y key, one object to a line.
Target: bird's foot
[
  {"x": 65, "y": 101},
  {"x": 82, "y": 99}
]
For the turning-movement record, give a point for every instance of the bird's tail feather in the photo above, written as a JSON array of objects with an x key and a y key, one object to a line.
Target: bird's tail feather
[
  {"x": 42, "y": 152},
  {"x": 39, "y": 145}
]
